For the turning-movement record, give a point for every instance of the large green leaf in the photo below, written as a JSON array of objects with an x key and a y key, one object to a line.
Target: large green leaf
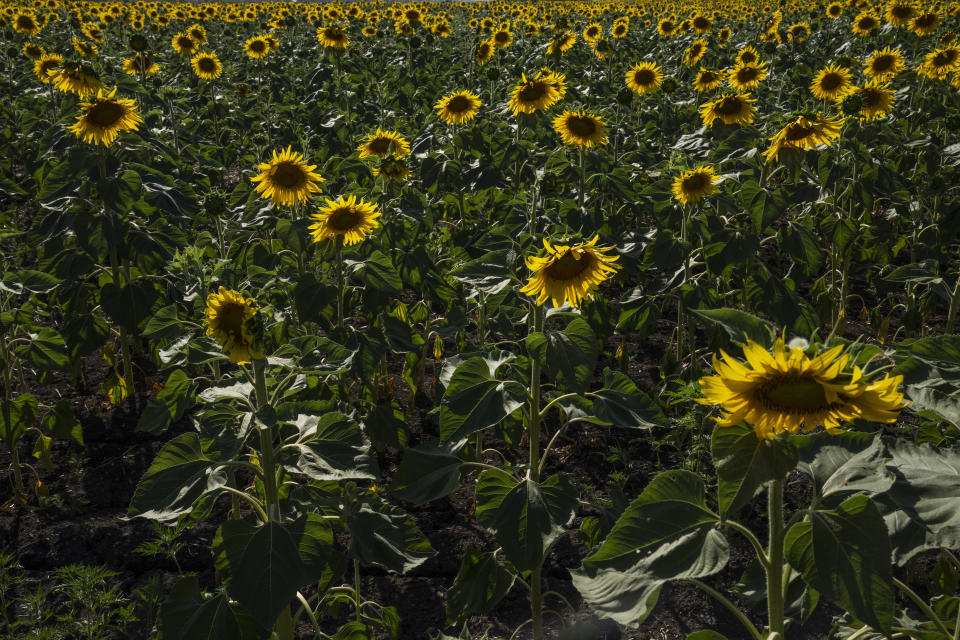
[
  {"x": 186, "y": 469},
  {"x": 475, "y": 400},
  {"x": 382, "y": 535},
  {"x": 489, "y": 274},
  {"x": 172, "y": 402},
  {"x": 920, "y": 508},
  {"x": 377, "y": 272},
  {"x": 330, "y": 447},
  {"x": 843, "y": 463},
  {"x": 46, "y": 350},
  {"x": 666, "y": 533},
  {"x": 568, "y": 357},
  {"x": 428, "y": 472},
  {"x": 621, "y": 404},
  {"x": 62, "y": 423},
  {"x": 131, "y": 305},
  {"x": 23, "y": 413},
  {"x": 740, "y": 325},
  {"x": 480, "y": 584},
  {"x": 186, "y": 616},
  {"x": 845, "y": 555},
  {"x": 744, "y": 462},
  {"x": 526, "y": 516},
  {"x": 266, "y": 564}
]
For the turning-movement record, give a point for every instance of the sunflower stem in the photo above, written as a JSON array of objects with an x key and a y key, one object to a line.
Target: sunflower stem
[
  {"x": 338, "y": 253},
  {"x": 533, "y": 472},
  {"x": 271, "y": 499},
  {"x": 6, "y": 402},
  {"x": 775, "y": 617},
  {"x": 583, "y": 182}
]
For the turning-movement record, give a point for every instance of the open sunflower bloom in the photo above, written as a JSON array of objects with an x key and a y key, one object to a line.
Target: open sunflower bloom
[
  {"x": 228, "y": 319},
  {"x": 788, "y": 391},
  {"x": 569, "y": 273},
  {"x": 348, "y": 217},
  {"x": 103, "y": 118},
  {"x": 287, "y": 179},
  {"x": 802, "y": 133}
]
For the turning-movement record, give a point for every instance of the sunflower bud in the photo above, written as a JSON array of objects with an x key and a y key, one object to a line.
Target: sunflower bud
[
  {"x": 852, "y": 104},
  {"x": 625, "y": 97},
  {"x": 493, "y": 74},
  {"x": 770, "y": 48},
  {"x": 669, "y": 85},
  {"x": 415, "y": 42},
  {"x": 437, "y": 348},
  {"x": 138, "y": 43}
]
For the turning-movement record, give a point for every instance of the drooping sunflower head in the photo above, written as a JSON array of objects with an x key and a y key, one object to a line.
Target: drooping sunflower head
[
  {"x": 695, "y": 52},
  {"x": 383, "y": 143},
  {"x": 534, "y": 94},
  {"x": 230, "y": 319},
  {"x": 333, "y": 37},
  {"x": 884, "y": 64},
  {"x": 102, "y": 119},
  {"x": 580, "y": 129},
  {"x": 925, "y": 23},
  {"x": 804, "y": 132},
  {"x": 695, "y": 184},
  {"x": 47, "y": 68},
  {"x": 199, "y": 33},
  {"x": 730, "y": 108},
  {"x": 206, "y": 65},
  {"x": 350, "y": 219},
  {"x": 561, "y": 43},
  {"x": 392, "y": 168},
  {"x": 788, "y": 391},
  {"x": 569, "y": 273},
  {"x": 876, "y": 99},
  {"x": 831, "y": 83},
  {"x": 708, "y": 80},
  {"x": 484, "y": 52},
  {"x": 458, "y": 107},
  {"x": 644, "y": 77},
  {"x": 140, "y": 64},
  {"x": 85, "y": 49},
  {"x": 79, "y": 80},
  {"x": 798, "y": 32},
  {"x": 287, "y": 179},
  {"x": 257, "y": 47}
]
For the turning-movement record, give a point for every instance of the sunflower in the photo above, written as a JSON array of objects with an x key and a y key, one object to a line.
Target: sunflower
[
  {"x": 730, "y": 108},
  {"x": 723, "y": 36},
  {"x": 287, "y": 179},
  {"x": 876, "y": 98},
  {"x": 257, "y": 47},
  {"x": 940, "y": 63},
  {"x": 925, "y": 23},
  {"x": 569, "y": 274},
  {"x": 369, "y": 31},
  {"x": 86, "y": 49},
  {"x": 831, "y": 83},
  {"x": 382, "y": 143},
  {"x": 644, "y": 77},
  {"x": 458, "y": 107},
  {"x": 33, "y": 51},
  {"x": 592, "y": 32},
  {"x": 747, "y": 76},
  {"x": 694, "y": 52},
  {"x": 561, "y": 43},
  {"x": 104, "y": 117},
  {"x": 804, "y": 132},
  {"x": 333, "y": 37},
  {"x": 708, "y": 80},
  {"x": 580, "y": 128},
  {"x": 534, "y": 94},
  {"x": 864, "y": 23},
  {"x": 619, "y": 30},
  {"x": 78, "y": 80},
  {"x": 748, "y": 55},
  {"x": 392, "y": 168},
  {"x": 140, "y": 64},
  {"x": 834, "y": 10},
  {"x": 788, "y": 391},
  {"x": 695, "y": 184},
  {"x": 798, "y": 32},
  {"x": 702, "y": 24},
  {"x": 899, "y": 12},
  {"x": 26, "y": 22},
  {"x": 47, "y": 68},
  {"x": 184, "y": 44},
  {"x": 884, "y": 64},
  {"x": 230, "y": 321},
  {"x": 602, "y": 48},
  {"x": 351, "y": 218},
  {"x": 666, "y": 27},
  {"x": 502, "y": 38},
  {"x": 206, "y": 65},
  {"x": 484, "y": 52}
]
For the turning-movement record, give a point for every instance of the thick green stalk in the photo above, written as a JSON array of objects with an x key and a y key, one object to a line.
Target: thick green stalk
[
  {"x": 271, "y": 498},
  {"x": 775, "y": 615},
  {"x": 7, "y": 420},
  {"x": 533, "y": 433},
  {"x": 338, "y": 257}
]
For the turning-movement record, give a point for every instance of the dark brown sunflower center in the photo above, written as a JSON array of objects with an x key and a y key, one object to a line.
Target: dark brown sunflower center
[
  {"x": 945, "y": 58},
  {"x": 49, "y": 65},
  {"x": 532, "y": 92},
  {"x": 871, "y": 96},
  {"x": 901, "y": 11},
  {"x": 666, "y": 26},
  {"x": 747, "y": 74},
  {"x": 644, "y": 77},
  {"x": 729, "y": 106},
  {"x": 343, "y": 219},
  {"x": 459, "y": 104},
  {"x": 834, "y": 10},
  {"x": 794, "y": 394},
  {"x": 230, "y": 320},
  {"x": 334, "y": 34},
  {"x": 708, "y": 77},
  {"x": 502, "y": 37},
  {"x": 701, "y": 23},
  {"x": 747, "y": 57},
  {"x": 581, "y": 127},
  {"x": 694, "y": 51},
  {"x": 926, "y": 21},
  {"x": 620, "y": 29},
  {"x": 207, "y": 65},
  {"x": 289, "y": 175},
  {"x": 26, "y": 23},
  {"x": 798, "y": 30},
  {"x": 567, "y": 267},
  {"x": 593, "y": 32},
  {"x": 258, "y": 46},
  {"x": 184, "y": 42},
  {"x": 380, "y": 146},
  {"x": 831, "y": 81},
  {"x": 797, "y": 131},
  {"x": 883, "y": 63},
  {"x": 105, "y": 114},
  {"x": 866, "y": 23},
  {"x": 694, "y": 183}
]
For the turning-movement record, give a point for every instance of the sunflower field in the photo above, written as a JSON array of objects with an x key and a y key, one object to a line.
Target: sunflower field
[{"x": 480, "y": 320}]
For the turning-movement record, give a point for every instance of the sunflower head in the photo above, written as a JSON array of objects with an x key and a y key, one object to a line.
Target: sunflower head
[
  {"x": 47, "y": 68},
  {"x": 484, "y": 52},
  {"x": 102, "y": 119},
  {"x": 884, "y": 64},
  {"x": 287, "y": 179},
  {"x": 206, "y": 65},
  {"x": 257, "y": 47},
  {"x": 804, "y": 132},
  {"x": 730, "y": 108},
  {"x": 333, "y": 37},
  {"x": 458, "y": 107},
  {"x": 569, "y": 273},
  {"x": 708, "y": 80},
  {"x": 536, "y": 94},
  {"x": 580, "y": 129},
  {"x": 392, "y": 168},
  {"x": 695, "y": 184},
  {"x": 383, "y": 143},
  {"x": 644, "y": 77},
  {"x": 184, "y": 44},
  {"x": 789, "y": 390},
  {"x": 231, "y": 319},
  {"x": 348, "y": 219},
  {"x": 831, "y": 83}
]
